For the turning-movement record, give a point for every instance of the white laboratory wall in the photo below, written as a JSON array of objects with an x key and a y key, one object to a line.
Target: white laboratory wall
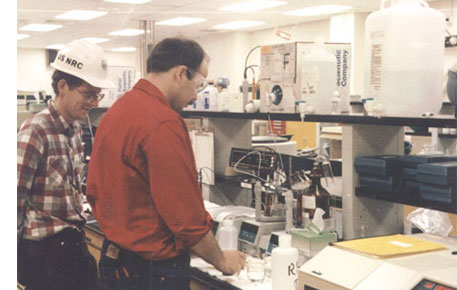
[
  {"x": 228, "y": 51},
  {"x": 34, "y": 72}
]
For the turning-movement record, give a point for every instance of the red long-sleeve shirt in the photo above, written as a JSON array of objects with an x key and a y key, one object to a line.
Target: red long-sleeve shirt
[{"x": 142, "y": 180}]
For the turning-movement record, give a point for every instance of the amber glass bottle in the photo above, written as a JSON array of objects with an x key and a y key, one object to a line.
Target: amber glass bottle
[{"x": 316, "y": 196}]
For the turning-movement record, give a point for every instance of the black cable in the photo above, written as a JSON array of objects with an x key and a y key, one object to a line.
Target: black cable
[{"x": 220, "y": 190}]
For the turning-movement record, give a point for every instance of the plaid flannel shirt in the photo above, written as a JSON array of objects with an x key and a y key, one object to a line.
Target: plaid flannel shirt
[{"x": 48, "y": 182}]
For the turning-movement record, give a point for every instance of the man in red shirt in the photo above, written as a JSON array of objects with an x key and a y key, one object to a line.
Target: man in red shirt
[{"x": 142, "y": 181}]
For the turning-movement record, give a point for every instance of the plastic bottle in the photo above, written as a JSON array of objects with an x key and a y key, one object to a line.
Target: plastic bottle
[
  {"x": 206, "y": 100},
  {"x": 284, "y": 265},
  {"x": 404, "y": 59},
  {"x": 318, "y": 79},
  {"x": 228, "y": 236}
]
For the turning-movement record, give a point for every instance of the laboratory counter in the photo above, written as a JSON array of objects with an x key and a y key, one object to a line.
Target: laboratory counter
[{"x": 203, "y": 275}]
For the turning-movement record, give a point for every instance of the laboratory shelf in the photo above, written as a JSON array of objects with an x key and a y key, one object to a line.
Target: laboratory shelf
[
  {"x": 450, "y": 136},
  {"x": 445, "y": 121},
  {"x": 407, "y": 199},
  {"x": 424, "y": 134}
]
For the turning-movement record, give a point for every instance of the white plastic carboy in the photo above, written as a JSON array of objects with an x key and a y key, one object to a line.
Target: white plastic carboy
[
  {"x": 404, "y": 59},
  {"x": 318, "y": 79}
]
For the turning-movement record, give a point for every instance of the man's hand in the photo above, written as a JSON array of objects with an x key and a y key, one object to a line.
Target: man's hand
[
  {"x": 228, "y": 262},
  {"x": 232, "y": 262}
]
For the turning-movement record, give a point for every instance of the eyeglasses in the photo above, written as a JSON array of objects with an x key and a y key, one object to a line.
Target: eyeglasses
[
  {"x": 91, "y": 96},
  {"x": 201, "y": 82}
]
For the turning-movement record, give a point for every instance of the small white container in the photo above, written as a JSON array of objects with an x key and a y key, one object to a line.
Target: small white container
[{"x": 284, "y": 266}]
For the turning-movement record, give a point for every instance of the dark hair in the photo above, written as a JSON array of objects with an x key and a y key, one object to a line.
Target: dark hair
[
  {"x": 172, "y": 52},
  {"x": 71, "y": 80}
]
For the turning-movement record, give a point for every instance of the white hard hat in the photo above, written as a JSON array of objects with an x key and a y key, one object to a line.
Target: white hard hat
[{"x": 85, "y": 60}]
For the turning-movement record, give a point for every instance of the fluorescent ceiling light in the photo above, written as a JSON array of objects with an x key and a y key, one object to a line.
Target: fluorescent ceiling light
[
  {"x": 238, "y": 24},
  {"x": 252, "y": 5},
  {"x": 22, "y": 36},
  {"x": 40, "y": 27},
  {"x": 127, "y": 32},
  {"x": 95, "y": 39},
  {"x": 124, "y": 49},
  {"x": 181, "y": 21},
  {"x": 319, "y": 10},
  {"x": 56, "y": 46},
  {"x": 81, "y": 15},
  {"x": 129, "y": 1}
]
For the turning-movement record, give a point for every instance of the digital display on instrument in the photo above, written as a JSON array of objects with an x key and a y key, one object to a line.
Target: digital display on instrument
[
  {"x": 273, "y": 243},
  {"x": 248, "y": 232},
  {"x": 430, "y": 285},
  {"x": 244, "y": 158}
]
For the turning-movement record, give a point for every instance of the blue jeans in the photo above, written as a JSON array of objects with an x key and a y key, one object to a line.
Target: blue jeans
[
  {"x": 59, "y": 262},
  {"x": 129, "y": 271}
]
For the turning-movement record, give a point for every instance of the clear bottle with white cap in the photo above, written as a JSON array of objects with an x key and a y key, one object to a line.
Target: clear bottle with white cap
[
  {"x": 284, "y": 264},
  {"x": 228, "y": 236}
]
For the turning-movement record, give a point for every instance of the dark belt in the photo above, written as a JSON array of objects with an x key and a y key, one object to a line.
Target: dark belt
[{"x": 182, "y": 258}]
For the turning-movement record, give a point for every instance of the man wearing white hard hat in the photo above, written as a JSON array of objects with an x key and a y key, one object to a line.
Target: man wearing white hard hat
[{"x": 52, "y": 253}]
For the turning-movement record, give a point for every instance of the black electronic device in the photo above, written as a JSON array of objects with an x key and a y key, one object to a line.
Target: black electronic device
[{"x": 253, "y": 159}]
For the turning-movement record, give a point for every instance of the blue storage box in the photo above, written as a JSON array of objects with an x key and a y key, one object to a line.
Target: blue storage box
[
  {"x": 380, "y": 166},
  {"x": 443, "y": 174},
  {"x": 437, "y": 193},
  {"x": 378, "y": 183},
  {"x": 412, "y": 186},
  {"x": 409, "y": 174},
  {"x": 412, "y": 161}
]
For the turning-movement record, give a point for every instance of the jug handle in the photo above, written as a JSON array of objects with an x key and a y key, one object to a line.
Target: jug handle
[{"x": 421, "y": 2}]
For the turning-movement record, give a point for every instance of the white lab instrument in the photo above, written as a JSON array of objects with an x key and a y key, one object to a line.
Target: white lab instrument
[
  {"x": 281, "y": 77},
  {"x": 338, "y": 268},
  {"x": 254, "y": 236}
]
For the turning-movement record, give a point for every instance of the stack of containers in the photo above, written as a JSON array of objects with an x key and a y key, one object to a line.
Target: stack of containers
[
  {"x": 379, "y": 173},
  {"x": 410, "y": 165},
  {"x": 438, "y": 182}
]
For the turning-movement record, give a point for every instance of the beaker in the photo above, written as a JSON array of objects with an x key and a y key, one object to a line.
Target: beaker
[{"x": 255, "y": 269}]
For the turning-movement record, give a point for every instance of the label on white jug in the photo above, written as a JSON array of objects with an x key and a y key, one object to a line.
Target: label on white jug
[
  {"x": 376, "y": 62},
  {"x": 309, "y": 202}
]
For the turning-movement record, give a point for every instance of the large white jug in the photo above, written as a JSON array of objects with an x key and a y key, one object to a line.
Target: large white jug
[
  {"x": 318, "y": 79},
  {"x": 404, "y": 59}
]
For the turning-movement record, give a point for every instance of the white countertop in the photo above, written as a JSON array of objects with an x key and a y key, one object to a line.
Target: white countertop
[{"x": 241, "y": 281}]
